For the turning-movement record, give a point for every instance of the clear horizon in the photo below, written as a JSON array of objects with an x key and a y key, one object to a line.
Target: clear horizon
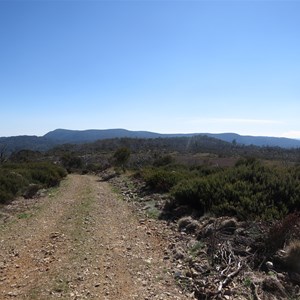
[
  {"x": 148, "y": 131},
  {"x": 161, "y": 66}
]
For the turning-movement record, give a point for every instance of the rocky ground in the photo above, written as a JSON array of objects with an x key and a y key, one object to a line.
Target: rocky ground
[{"x": 211, "y": 258}]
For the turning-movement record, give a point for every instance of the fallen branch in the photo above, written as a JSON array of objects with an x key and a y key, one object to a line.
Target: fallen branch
[
  {"x": 254, "y": 290},
  {"x": 228, "y": 278}
]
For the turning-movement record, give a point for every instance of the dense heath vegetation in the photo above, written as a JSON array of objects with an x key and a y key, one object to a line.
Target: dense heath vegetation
[
  {"x": 201, "y": 173},
  {"x": 249, "y": 190}
]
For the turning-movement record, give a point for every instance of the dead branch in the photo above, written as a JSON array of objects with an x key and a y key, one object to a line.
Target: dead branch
[
  {"x": 254, "y": 288},
  {"x": 228, "y": 278}
]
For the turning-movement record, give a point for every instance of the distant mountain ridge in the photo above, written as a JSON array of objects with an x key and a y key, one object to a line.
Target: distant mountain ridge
[
  {"x": 260, "y": 141},
  {"x": 91, "y": 135},
  {"x": 65, "y": 136},
  {"x": 77, "y": 136}
]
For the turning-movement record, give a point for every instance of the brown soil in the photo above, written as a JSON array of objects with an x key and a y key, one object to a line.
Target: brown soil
[{"x": 82, "y": 242}]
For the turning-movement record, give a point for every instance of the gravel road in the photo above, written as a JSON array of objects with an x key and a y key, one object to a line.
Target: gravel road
[{"x": 81, "y": 241}]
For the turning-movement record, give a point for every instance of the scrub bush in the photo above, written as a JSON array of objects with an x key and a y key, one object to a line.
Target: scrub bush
[
  {"x": 15, "y": 178},
  {"x": 164, "y": 178},
  {"x": 248, "y": 191}
]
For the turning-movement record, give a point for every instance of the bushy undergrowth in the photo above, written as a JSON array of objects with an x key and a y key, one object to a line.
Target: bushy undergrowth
[
  {"x": 15, "y": 178},
  {"x": 249, "y": 190},
  {"x": 162, "y": 179},
  {"x": 71, "y": 162}
]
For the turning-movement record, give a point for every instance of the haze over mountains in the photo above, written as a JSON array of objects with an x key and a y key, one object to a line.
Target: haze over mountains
[{"x": 64, "y": 136}]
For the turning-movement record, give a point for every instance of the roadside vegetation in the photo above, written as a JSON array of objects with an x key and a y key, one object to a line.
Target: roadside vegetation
[
  {"x": 238, "y": 225},
  {"x": 248, "y": 190},
  {"x": 204, "y": 174},
  {"x": 27, "y": 178}
]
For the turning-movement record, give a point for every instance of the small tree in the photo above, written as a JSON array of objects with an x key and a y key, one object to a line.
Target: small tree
[{"x": 121, "y": 157}]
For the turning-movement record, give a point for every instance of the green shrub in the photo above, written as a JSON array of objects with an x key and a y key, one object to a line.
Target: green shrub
[
  {"x": 188, "y": 192},
  {"x": 15, "y": 178},
  {"x": 71, "y": 162},
  {"x": 248, "y": 190},
  {"x": 5, "y": 196},
  {"x": 162, "y": 180},
  {"x": 11, "y": 183},
  {"x": 163, "y": 161},
  {"x": 121, "y": 157},
  {"x": 46, "y": 174}
]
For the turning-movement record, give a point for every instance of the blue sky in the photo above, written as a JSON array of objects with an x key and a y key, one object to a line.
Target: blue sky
[{"x": 164, "y": 66}]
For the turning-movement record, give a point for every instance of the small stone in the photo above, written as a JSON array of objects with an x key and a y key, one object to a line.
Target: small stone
[
  {"x": 269, "y": 265},
  {"x": 13, "y": 294}
]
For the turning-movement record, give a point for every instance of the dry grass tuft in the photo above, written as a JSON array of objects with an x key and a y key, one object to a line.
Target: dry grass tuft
[{"x": 292, "y": 257}]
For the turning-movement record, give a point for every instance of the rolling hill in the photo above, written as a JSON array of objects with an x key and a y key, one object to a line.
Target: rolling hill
[
  {"x": 64, "y": 136},
  {"x": 77, "y": 136}
]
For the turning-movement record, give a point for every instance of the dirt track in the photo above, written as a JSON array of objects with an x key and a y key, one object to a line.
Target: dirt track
[{"x": 82, "y": 242}]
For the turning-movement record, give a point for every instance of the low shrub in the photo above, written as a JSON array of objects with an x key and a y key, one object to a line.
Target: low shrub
[
  {"x": 121, "y": 158},
  {"x": 5, "y": 196},
  {"x": 162, "y": 180},
  {"x": 11, "y": 183},
  {"x": 281, "y": 232},
  {"x": 163, "y": 161},
  {"x": 16, "y": 178},
  {"x": 31, "y": 191},
  {"x": 192, "y": 193},
  {"x": 248, "y": 191},
  {"x": 71, "y": 162}
]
